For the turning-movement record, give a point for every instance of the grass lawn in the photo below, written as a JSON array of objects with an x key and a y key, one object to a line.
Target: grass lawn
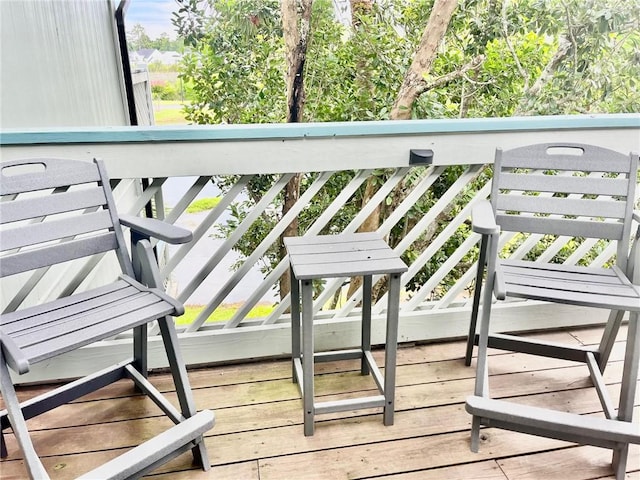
[
  {"x": 169, "y": 117},
  {"x": 203, "y": 204},
  {"x": 222, "y": 313},
  {"x": 168, "y": 112}
]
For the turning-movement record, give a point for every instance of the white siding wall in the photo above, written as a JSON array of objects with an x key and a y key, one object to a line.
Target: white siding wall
[
  {"x": 59, "y": 64},
  {"x": 60, "y": 67}
]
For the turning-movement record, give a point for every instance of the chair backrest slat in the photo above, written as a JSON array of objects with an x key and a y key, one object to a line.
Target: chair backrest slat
[
  {"x": 39, "y": 233},
  {"x": 562, "y": 206},
  {"x": 532, "y": 182},
  {"x": 56, "y": 203},
  {"x": 560, "y": 226},
  {"x": 33, "y": 259},
  {"x": 54, "y": 211}
]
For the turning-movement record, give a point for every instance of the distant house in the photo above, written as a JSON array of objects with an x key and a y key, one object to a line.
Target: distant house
[{"x": 150, "y": 55}]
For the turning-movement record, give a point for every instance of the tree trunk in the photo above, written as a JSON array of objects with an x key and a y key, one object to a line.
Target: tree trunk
[
  {"x": 414, "y": 85},
  {"x": 296, "y": 23}
]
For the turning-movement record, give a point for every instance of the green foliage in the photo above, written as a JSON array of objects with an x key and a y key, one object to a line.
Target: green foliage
[
  {"x": 137, "y": 39},
  {"x": 236, "y": 68}
]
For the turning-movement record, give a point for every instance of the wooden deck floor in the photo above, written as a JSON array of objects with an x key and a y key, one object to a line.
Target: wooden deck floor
[{"x": 258, "y": 434}]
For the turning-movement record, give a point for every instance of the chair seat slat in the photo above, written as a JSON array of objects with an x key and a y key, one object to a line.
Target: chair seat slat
[
  {"x": 609, "y": 272},
  {"x": 584, "y": 286},
  {"x": 565, "y": 184},
  {"x": 62, "y": 344},
  {"x": 561, "y": 206},
  {"x": 560, "y": 226},
  {"x": 605, "y": 276},
  {"x": 575, "y": 298},
  {"x": 42, "y": 232},
  {"x": 74, "y": 324},
  {"x": 61, "y": 304},
  {"x": 51, "y": 204},
  {"x": 38, "y": 258},
  {"x": 92, "y": 306}
]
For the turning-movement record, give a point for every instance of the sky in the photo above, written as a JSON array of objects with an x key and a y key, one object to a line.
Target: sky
[{"x": 154, "y": 15}]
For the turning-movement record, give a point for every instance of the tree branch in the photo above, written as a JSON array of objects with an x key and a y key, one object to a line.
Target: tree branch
[
  {"x": 451, "y": 76},
  {"x": 564, "y": 47},
  {"x": 505, "y": 33}
]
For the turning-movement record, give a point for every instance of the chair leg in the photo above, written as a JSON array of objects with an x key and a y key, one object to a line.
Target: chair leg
[
  {"x": 140, "y": 349},
  {"x": 620, "y": 462},
  {"x": 628, "y": 389},
  {"x": 475, "y": 434},
  {"x": 181, "y": 382},
  {"x": 476, "y": 302},
  {"x": 482, "y": 367},
  {"x": 609, "y": 337},
  {"x": 34, "y": 466}
]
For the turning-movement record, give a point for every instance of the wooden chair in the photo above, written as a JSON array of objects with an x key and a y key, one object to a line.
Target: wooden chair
[
  {"x": 569, "y": 190},
  {"x": 55, "y": 211}
]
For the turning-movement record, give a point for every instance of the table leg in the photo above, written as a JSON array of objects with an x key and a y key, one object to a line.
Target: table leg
[
  {"x": 307, "y": 356},
  {"x": 393, "y": 307},
  {"x": 295, "y": 323},
  {"x": 366, "y": 323}
]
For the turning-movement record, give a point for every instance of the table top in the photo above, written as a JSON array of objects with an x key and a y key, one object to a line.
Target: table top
[{"x": 344, "y": 255}]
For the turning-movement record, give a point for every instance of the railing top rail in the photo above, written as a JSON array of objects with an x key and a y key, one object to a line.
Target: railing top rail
[{"x": 190, "y": 133}]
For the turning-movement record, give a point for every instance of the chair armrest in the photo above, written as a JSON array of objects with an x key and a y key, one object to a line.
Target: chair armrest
[
  {"x": 482, "y": 219},
  {"x": 152, "y": 227},
  {"x": 14, "y": 357},
  {"x": 636, "y": 215}
]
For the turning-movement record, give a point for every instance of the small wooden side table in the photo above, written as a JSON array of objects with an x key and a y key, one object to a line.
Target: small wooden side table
[{"x": 346, "y": 255}]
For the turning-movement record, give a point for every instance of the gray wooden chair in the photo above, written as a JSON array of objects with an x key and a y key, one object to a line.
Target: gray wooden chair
[
  {"x": 569, "y": 190},
  {"x": 55, "y": 211}
]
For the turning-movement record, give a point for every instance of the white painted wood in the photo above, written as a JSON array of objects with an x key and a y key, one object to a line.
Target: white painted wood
[
  {"x": 304, "y": 199},
  {"x": 220, "y": 156},
  {"x": 346, "y": 193},
  {"x": 200, "y": 232}
]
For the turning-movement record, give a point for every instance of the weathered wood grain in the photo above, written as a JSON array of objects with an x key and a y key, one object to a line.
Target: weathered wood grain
[{"x": 259, "y": 434}]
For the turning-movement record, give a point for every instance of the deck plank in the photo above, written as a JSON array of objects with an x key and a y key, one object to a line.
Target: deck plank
[
  {"x": 259, "y": 434},
  {"x": 577, "y": 463}
]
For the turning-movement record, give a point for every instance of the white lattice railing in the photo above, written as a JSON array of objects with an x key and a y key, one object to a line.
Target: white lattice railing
[{"x": 184, "y": 164}]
